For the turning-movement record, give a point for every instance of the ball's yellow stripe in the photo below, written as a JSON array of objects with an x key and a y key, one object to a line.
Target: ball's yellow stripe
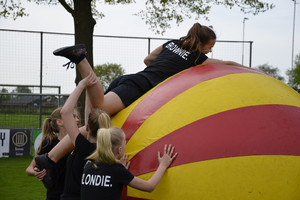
[
  {"x": 121, "y": 117},
  {"x": 208, "y": 98},
  {"x": 238, "y": 178}
]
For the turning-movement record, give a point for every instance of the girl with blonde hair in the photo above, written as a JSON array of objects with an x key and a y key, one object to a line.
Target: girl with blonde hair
[
  {"x": 82, "y": 140},
  {"x": 104, "y": 174}
]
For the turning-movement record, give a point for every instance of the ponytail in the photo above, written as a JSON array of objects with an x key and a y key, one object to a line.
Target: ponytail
[
  {"x": 108, "y": 140},
  {"x": 98, "y": 119},
  {"x": 50, "y": 128},
  {"x": 104, "y": 120},
  {"x": 197, "y": 36}
]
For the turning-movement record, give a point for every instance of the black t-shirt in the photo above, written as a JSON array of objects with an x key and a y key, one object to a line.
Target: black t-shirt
[
  {"x": 47, "y": 146},
  {"x": 75, "y": 163},
  {"x": 171, "y": 60},
  {"x": 57, "y": 190},
  {"x": 104, "y": 182}
]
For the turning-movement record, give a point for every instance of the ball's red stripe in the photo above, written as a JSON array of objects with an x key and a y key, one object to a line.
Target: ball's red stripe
[
  {"x": 166, "y": 91},
  {"x": 240, "y": 132}
]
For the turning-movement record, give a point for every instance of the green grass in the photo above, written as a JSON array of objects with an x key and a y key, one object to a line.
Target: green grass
[
  {"x": 20, "y": 120},
  {"x": 14, "y": 182}
]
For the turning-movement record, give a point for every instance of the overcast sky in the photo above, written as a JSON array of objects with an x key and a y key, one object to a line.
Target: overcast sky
[{"x": 271, "y": 32}]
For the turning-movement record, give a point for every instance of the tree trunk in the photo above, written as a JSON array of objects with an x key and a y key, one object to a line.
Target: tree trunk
[{"x": 84, "y": 28}]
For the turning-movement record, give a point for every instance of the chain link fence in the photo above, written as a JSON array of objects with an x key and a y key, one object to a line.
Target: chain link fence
[{"x": 26, "y": 61}]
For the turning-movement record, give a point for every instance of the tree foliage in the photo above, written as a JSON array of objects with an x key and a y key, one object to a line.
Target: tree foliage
[
  {"x": 12, "y": 8},
  {"x": 294, "y": 78},
  {"x": 22, "y": 89},
  {"x": 4, "y": 97},
  {"x": 272, "y": 71},
  {"x": 157, "y": 13},
  {"x": 108, "y": 72}
]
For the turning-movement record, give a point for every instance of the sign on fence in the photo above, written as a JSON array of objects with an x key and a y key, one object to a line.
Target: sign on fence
[
  {"x": 19, "y": 143},
  {"x": 4, "y": 142},
  {"x": 14, "y": 142}
]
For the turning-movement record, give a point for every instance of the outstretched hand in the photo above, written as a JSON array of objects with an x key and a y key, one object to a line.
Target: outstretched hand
[
  {"x": 124, "y": 161},
  {"x": 90, "y": 80},
  {"x": 167, "y": 157}
]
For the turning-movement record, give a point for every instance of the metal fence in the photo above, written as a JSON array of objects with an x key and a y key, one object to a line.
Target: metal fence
[{"x": 26, "y": 59}]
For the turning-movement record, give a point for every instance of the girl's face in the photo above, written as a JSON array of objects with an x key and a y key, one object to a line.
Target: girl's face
[
  {"x": 75, "y": 115},
  {"x": 122, "y": 149},
  {"x": 208, "y": 47}
]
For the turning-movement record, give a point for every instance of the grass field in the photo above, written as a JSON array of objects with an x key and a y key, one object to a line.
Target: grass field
[
  {"x": 15, "y": 184},
  {"x": 20, "y": 120}
]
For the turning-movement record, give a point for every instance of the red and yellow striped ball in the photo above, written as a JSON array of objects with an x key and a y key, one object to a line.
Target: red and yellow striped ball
[{"x": 236, "y": 131}]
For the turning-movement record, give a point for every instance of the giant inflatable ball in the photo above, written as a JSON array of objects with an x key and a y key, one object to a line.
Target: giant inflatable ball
[{"x": 236, "y": 131}]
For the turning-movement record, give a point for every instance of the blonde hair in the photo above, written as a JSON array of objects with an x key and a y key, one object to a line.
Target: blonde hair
[
  {"x": 108, "y": 140},
  {"x": 98, "y": 119},
  {"x": 50, "y": 128}
]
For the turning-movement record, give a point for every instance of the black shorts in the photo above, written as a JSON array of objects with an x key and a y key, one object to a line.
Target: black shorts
[{"x": 129, "y": 87}]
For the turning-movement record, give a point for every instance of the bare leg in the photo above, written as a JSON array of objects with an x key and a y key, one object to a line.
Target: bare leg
[
  {"x": 110, "y": 102},
  {"x": 95, "y": 92}
]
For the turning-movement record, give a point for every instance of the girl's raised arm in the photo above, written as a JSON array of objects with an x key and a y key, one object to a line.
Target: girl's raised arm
[{"x": 67, "y": 110}]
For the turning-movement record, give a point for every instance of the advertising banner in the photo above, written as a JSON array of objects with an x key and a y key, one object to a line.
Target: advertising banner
[
  {"x": 4, "y": 142},
  {"x": 19, "y": 142}
]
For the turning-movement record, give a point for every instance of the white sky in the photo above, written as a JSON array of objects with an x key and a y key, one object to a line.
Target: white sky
[{"x": 271, "y": 32}]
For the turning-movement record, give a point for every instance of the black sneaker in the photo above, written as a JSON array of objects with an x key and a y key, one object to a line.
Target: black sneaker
[
  {"x": 44, "y": 162},
  {"x": 74, "y": 53}
]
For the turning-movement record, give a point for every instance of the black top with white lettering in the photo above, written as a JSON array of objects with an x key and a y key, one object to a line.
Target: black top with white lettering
[
  {"x": 75, "y": 163},
  {"x": 171, "y": 60},
  {"x": 104, "y": 182}
]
